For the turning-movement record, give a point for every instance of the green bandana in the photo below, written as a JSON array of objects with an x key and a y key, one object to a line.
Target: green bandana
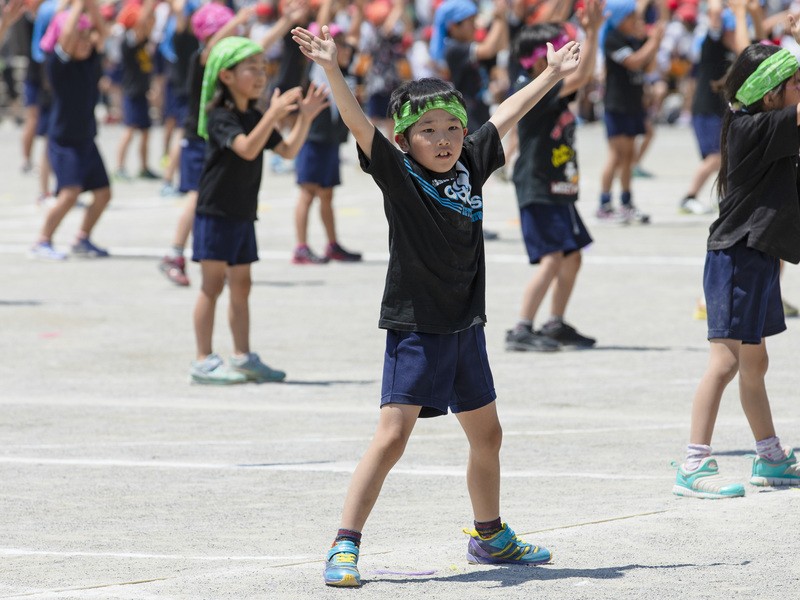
[
  {"x": 405, "y": 117},
  {"x": 769, "y": 74},
  {"x": 226, "y": 54}
]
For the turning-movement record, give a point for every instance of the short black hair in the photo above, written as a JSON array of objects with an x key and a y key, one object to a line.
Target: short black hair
[
  {"x": 531, "y": 37},
  {"x": 420, "y": 92}
]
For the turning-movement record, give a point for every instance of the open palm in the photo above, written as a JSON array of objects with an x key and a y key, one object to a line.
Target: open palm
[{"x": 322, "y": 50}]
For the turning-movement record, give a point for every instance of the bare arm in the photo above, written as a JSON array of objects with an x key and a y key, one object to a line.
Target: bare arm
[
  {"x": 140, "y": 29},
  {"x": 295, "y": 13},
  {"x": 68, "y": 39},
  {"x": 12, "y": 12},
  {"x": 591, "y": 20},
  {"x": 559, "y": 65},
  {"x": 794, "y": 29},
  {"x": 249, "y": 146},
  {"x": 497, "y": 36},
  {"x": 639, "y": 60},
  {"x": 98, "y": 22},
  {"x": 323, "y": 52}
]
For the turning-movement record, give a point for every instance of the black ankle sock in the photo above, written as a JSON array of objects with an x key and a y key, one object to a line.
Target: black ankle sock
[
  {"x": 489, "y": 528},
  {"x": 347, "y": 534}
]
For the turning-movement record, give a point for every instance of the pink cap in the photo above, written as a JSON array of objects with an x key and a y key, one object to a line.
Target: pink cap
[
  {"x": 209, "y": 19},
  {"x": 50, "y": 37}
]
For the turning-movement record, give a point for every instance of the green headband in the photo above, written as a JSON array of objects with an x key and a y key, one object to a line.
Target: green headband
[
  {"x": 769, "y": 74},
  {"x": 227, "y": 53},
  {"x": 405, "y": 117}
]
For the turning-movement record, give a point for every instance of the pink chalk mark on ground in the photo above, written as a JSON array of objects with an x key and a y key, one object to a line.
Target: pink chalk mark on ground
[{"x": 49, "y": 335}]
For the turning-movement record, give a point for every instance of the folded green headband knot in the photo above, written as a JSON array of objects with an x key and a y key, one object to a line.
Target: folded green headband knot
[
  {"x": 227, "y": 53},
  {"x": 768, "y": 75},
  {"x": 405, "y": 117}
]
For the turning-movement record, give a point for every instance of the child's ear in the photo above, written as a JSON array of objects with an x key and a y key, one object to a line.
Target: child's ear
[
  {"x": 466, "y": 131},
  {"x": 226, "y": 76},
  {"x": 402, "y": 142}
]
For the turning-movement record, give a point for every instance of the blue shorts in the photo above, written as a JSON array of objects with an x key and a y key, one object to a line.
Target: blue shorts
[
  {"x": 318, "y": 163},
  {"x": 193, "y": 155},
  {"x": 176, "y": 106},
  {"x": 77, "y": 166},
  {"x": 437, "y": 371},
  {"x": 136, "y": 112},
  {"x": 743, "y": 294},
  {"x": 115, "y": 73},
  {"x": 549, "y": 228},
  {"x": 707, "y": 130},
  {"x": 44, "y": 121},
  {"x": 377, "y": 106},
  {"x": 624, "y": 124},
  {"x": 229, "y": 240},
  {"x": 30, "y": 93}
]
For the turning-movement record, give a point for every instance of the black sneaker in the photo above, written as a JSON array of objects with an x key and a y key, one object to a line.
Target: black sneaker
[
  {"x": 524, "y": 340},
  {"x": 566, "y": 335}
]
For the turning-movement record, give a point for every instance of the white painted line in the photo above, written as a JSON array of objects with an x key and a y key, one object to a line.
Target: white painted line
[
  {"x": 317, "y": 467},
  {"x": 27, "y": 552}
]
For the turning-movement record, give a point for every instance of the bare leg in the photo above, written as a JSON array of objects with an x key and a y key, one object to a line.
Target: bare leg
[
  {"x": 753, "y": 364},
  {"x": 64, "y": 201},
  {"x": 611, "y": 167},
  {"x": 143, "y": 148},
  {"x": 239, "y": 284},
  {"x": 44, "y": 172},
  {"x": 304, "y": 201},
  {"x": 565, "y": 282},
  {"x": 626, "y": 153},
  {"x": 93, "y": 212},
  {"x": 395, "y": 425},
  {"x": 185, "y": 221},
  {"x": 538, "y": 285},
  {"x": 723, "y": 363},
  {"x": 706, "y": 169},
  {"x": 326, "y": 213},
  {"x": 485, "y": 437},
  {"x": 127, "y": 136},
  {"x": 213, "y": 272},
  {"x": 29, "y": 133},
  {"x": 174, "y": 156}
]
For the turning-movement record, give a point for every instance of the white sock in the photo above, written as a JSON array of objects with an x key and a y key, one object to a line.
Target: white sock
[
  {"x": 770, "y": 449},
  {"x": 695, "y": 454}
]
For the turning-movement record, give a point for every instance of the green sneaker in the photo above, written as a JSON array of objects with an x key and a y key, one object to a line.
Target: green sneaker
[
  {"x": 212, "y": 371},
  {"x": 705, "y": 482},
  {"x": 341, "y": 568},
  {"x": 785, "y": 472}
]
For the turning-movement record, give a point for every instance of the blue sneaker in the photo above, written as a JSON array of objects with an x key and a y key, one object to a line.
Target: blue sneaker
[
  {"x": 504, "y": 547},
  {"x": 341, "y": 568},
  {"x": 250, "y": 366},
  {"x": 87, "y": 249},
  {"x": 785, "y": 472},
  {"x": 705, "y": 482}
]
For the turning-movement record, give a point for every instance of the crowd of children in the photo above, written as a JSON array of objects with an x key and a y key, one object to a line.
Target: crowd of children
[{"x": 501, "y": 84}]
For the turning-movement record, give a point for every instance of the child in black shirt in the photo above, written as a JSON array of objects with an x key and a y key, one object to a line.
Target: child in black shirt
[
  {"x": 759, "y": 224},
  {"x": 434, "y": 301}
]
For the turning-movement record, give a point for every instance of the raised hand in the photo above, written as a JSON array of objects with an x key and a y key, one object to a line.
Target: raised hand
[
  {"x": 322, "y": 50},
  {"x": 794, "y": 27},
  {"x": 282, "y": 105},
  {"x": 566, "y": 60},
  {"x": 315, "y": 101},
  {"x": 593, "y": 15}
]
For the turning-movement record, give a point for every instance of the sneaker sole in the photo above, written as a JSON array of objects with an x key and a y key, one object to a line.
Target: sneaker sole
[
  {"x": 346, "y": 581},
  {"x": 774, "y": 481},
  {"x": 204, "y": 381},
  {"x": 687, "y": 493},
  {"x": 476, "y": 560},
  {"x": 517, "y": 347}
]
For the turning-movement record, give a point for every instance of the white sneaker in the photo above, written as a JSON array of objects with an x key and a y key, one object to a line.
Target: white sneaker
[
  {"x": 45, "y": 251},
  {"x": 693, "y": 206}
]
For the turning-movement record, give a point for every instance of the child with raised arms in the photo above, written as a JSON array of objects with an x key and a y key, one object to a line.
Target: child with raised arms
[
  {"x": 758, "y": 225},
  {"x": 433, "y": 306},
  {"x": 227, "y": 204}
]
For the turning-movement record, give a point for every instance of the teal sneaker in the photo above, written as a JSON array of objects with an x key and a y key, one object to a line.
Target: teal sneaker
[
  {"x": 250, "y": 366},
  {"x": 212, "y": 371},
  {"x": 705, "y": 482},
  {"x": 341, "y": 568},
  {"x": 504, "y": 547},
  {"x": 785, "y": 472}
]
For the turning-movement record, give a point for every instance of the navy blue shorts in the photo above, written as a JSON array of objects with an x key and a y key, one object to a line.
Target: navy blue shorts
[
  {"x": 743, "y": 294},
  {"x": 136, "y": 112},
  {"x": 377, "y": 106},
  {"x": 176, "y": 106},
  {"x": 229, "y": 240},
  {"x": 77, "y": 166},
  {"x": 115, "y": 73},
  {"x": 44, "y": 121},
  {"x": 318, "y": 163},
  {"x": 193, "y": 155},
  {"x": 437, "y": 371},
  {"x": 707, "y": 130},
  {"x": 549, "y": 228},
  {"x": 624, "y": 124},
  {"x": 30, "y": 93}
]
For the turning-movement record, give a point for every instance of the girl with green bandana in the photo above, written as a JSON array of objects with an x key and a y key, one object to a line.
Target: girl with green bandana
[
  {"x": 227, "y": 204},
  {"x": 434, "y": 301},
  {"x": 758, "y": 224}
]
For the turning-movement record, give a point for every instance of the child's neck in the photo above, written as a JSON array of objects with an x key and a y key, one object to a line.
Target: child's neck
[{"x": 241, "y": 101}]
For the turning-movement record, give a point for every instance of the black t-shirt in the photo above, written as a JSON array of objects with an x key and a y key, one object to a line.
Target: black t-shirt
[
  {"x": 715, "y": 59},
  {"x": 762, "y": 203},
  {"x": 436, "y": 280},
  {"x": 624, "y": 90},
  {"x": 546, "y": 171},
  {"x": 185, "y": 45},
  {"x": 75, "y": 94},
  {"x": 469, "y": 78},
  {"x": 195, "y": 79},
  {"x": 229, "y": 184},
  {"x": 136, "y": 67}
]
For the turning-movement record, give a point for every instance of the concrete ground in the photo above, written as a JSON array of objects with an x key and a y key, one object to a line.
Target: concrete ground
[{"x": 121, "y": 480}]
